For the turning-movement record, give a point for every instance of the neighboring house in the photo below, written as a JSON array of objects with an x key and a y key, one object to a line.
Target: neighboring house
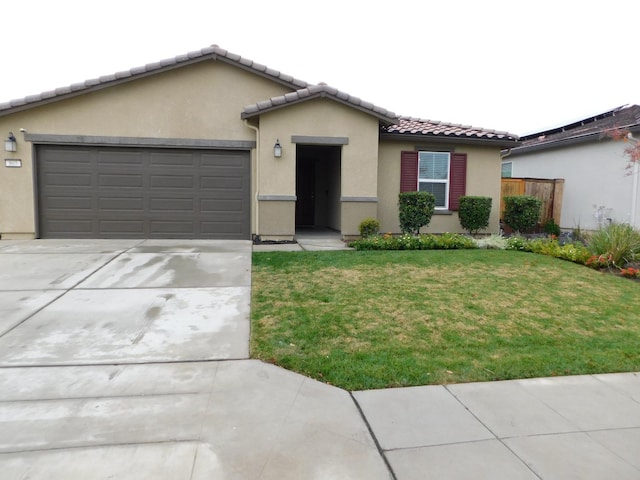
[
  {"x": 598, "y": 186},
  {"x": 212, "y": 145}
]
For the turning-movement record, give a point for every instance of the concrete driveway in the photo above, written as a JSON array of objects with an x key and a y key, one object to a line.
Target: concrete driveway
[
  {"x": 129, "y": 360},
  {"x": 106, "y": 302}
]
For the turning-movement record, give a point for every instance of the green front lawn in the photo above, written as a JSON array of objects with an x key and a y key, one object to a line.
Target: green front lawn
[{"x": 362, "y": 320}]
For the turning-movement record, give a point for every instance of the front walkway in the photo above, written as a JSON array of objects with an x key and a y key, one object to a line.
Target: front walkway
[{"x": 308, "y": 239}]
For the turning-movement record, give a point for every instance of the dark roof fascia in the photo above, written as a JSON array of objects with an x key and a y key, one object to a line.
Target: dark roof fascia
[
  {"x": 494, "y": 142},
  {"x": 566, "y": 142},
  {"x": 92, "y": 85},
  {"x": 385, "y": 119}
]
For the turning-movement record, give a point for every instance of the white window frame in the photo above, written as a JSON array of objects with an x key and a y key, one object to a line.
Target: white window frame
[
  {"x": 504, "y": 164},
  {"x": 437, "y": 180}
]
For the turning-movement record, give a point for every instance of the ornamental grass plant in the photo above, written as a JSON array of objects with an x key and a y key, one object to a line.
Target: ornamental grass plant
[{"x": 617, "y": 240}]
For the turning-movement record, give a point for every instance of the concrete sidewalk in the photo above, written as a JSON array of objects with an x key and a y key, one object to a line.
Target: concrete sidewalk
[{"x": 129, "y": 360}]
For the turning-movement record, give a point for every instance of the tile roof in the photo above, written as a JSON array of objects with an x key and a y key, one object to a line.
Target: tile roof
[
  {"x": 318, "y": 91},
  {"x": 213, "y": 52},
  {"x": 393, "y": 125},
  {"x": 591, "y": 128},
  {"x": 409, "y": 126}
]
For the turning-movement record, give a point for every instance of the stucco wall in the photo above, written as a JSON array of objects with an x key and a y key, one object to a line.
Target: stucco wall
[
  {"x": 320, "y": 118},
  {"x": 483, "y": 179},
  {"x": 191, "y": 102},
  {"x": 594, "y": 174}
]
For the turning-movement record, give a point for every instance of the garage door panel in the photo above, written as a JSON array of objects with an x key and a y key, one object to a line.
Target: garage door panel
[
  {"x": 121, "y": 180},
  {"x": 126, "y": 204},
  {"x": 121, "y": 226},
  {"x": 121, "y": 159},
  {"x": 173, "y": 181},
  {"x": 70, "y": 203},
  {"x": 222, "y": 183},
  {"x": 221, "y": 229},
  {"x": 229, "y": 159},
  {"x": 69, "y": 179},
  {"x": 63, "y": 226},
  {"x": 172, "y": 205},
  {"x": 232, "y": 207},
  {"x": 113, "y": 192},
  {"x": 176, "y": 226},
  {"x": 176, "y": 160}
]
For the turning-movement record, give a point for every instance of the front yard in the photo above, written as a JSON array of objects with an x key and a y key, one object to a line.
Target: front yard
[{"x": 363, "y": 320}]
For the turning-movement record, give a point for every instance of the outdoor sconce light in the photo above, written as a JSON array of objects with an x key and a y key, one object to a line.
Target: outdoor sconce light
[
  {"x": 10, "y": 144},
  {"x": 277, "y": 149}
]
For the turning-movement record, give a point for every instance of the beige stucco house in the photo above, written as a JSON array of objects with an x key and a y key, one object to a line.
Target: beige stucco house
[{"x": 212, "y": 145}]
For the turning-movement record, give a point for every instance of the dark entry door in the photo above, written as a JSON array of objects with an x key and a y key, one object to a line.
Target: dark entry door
[{"x": 305, "y": 191}]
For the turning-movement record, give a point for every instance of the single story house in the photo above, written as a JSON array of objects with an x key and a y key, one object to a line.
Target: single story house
[
  {"x": 598, "y": 185},
  {"x": 213, "y": 145}
]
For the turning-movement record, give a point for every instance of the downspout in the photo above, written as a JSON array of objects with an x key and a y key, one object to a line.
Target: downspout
[{"x": 257, "y": 203}]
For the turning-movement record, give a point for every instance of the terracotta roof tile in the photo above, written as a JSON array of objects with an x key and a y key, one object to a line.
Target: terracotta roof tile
[{"x": 434, "y": 128}]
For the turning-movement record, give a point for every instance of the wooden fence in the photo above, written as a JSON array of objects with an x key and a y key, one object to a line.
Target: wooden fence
[{"x": 549, "y": 191}]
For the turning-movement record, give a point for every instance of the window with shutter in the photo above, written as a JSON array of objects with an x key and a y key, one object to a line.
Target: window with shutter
[{"x": 442, "y": 173}]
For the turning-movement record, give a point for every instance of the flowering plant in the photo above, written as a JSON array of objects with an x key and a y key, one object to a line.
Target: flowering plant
[
  {"x": 599, "y": 261},
  {"x": 630, "y": 272}
]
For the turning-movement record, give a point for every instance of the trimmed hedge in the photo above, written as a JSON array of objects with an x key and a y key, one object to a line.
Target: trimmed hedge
[
  {"x": 522, "y": 212},
  {"x": 446, "y": 241},
  {"x": 416, "y": 209},
  {"x": 474, "y": 213}
]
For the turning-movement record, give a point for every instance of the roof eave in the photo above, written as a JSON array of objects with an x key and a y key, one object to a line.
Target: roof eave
[
  {"x": 451, "y": 139},
  {"x": 52, "y": 97},
  {"x": 565, "y": 142},
  {"x": 214, "y": 53}
]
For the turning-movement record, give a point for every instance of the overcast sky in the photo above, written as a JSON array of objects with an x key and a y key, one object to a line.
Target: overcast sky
[{"x": 520, "y": 66}]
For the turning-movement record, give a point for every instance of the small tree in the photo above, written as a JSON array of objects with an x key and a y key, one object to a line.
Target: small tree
[
  {"x": 522, "y": 212},
  {"x": 474, "y": 213},
  {"x": 416, "y": 209}
]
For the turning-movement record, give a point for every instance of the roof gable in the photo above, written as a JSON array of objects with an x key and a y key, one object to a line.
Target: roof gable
[
  {"x": 318, "y": 91},
  {"x": 213, "y": 52}
]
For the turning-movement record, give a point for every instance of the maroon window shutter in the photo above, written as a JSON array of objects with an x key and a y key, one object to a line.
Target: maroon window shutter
[
  {"x": 408, "y": 171},
  {"x": 458, "y": 181}
]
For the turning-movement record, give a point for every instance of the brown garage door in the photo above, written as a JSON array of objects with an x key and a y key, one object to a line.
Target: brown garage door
[{"x": 110, "y": 192}]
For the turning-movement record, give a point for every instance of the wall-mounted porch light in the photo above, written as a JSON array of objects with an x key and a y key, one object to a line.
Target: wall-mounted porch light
[
  {"x": 10, "y": 144},
  {"x": 277, "y": 149}
]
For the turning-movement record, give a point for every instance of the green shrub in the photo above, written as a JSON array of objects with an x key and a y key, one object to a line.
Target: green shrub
[
  {"x": 550, "y": 227},
  {"x": 416, "y": 209},
  {"x": 517, "y": 242},
  {"x": 446, "y": 241},
  {"x": 522, "y": 212},
  {"x": 474, "y": 213},
  {"x": 495, "y": 242},
  {"x": 368, "y": 227},
  {"x": 619, "y": 241},
  {"x": 577, "y": 253}
]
